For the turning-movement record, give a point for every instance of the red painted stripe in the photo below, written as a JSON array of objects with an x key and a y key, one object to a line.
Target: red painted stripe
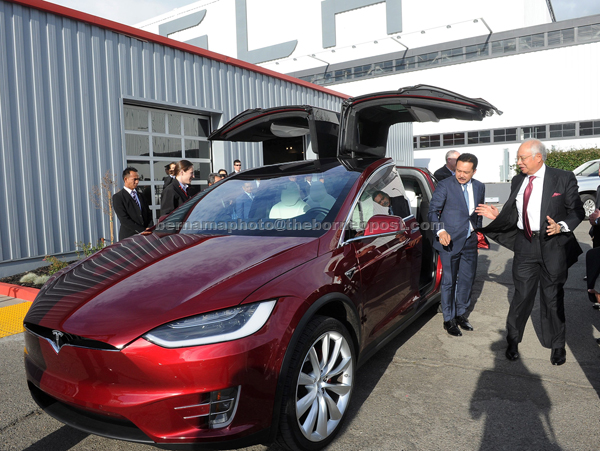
[
  {"x": 142, "y": 35},
  {"x": 17, "y": 291}
]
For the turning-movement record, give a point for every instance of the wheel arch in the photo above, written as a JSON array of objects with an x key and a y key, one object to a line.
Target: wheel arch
[{"x": 332, "y": 305}]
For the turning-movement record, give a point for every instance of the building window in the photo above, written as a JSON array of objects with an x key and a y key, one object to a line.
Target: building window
[
  {"x": 428, "y": 59},
  {"x": 537, "y": 132},
  {"x": 560, "y": 37},
  {"x": 476, "y": 51},
  {"x": 506, "y": 46},
  {"x": 562, "y": 130},
  {"x": 454, "y": 139},
  {"x": 415, "y": 142},
  {"x": 531, "y": 42},
  {"x": 429, "y": 141},
  {"x": 479, "y": 137},
  {"x": 504, "y": 135},
  {"x": 588, "y": 32},
  {"x": 589, "y": 128},
  {"x": 406, "y": 63},
  {"x": 453, "y": 55},
  {"x": 155, "y": 138}
]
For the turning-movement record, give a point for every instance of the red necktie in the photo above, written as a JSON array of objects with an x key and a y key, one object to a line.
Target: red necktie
[{"x": 526, "y": 197}]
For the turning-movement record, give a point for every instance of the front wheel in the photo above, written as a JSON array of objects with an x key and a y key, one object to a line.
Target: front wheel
[{"x": 318, "y": 386}]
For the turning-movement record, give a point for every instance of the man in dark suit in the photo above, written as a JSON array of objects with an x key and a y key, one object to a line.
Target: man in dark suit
[
  {"x": 452, "y": 216},
  {"x": 170, "y": 171},
  {"x": 130, "y": 207},
  {"x": 537, "y": 222},
  {"x": 397, "y": 206},
  {"x": 244, "y": 201},
  {"x": 595, "y": 221},
  {"x": 449, "y": 168}
]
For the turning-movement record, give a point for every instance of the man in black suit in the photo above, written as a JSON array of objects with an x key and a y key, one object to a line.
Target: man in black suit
[
  {"x": 449, "y": 168},
  {"x": 130, "y": 207},
  {"x": 170, "y": 171},
  {"x": 453, "y": 218},
  {"x": 397, "y": 206},
  {"x": 537, "y": 222},
  {"x": 595, "y": 220}
]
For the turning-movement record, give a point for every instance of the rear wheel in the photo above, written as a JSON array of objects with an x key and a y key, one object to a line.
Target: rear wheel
[
  {"x": 589, "y": 204},
  {"x": 318, "y": 386}
]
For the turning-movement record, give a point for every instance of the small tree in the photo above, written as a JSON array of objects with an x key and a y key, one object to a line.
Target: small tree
[{"x": 101, "y": 197}]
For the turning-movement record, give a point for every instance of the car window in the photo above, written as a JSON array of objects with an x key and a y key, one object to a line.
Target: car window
[
  {"x": 590, "y": 170},
  {"x": 384, "y": 194},
  {"x": 268, "y": 203}
]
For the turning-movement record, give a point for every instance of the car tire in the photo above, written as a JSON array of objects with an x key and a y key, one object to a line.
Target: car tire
[
  {"x": 589, "y": 204},
  {"x": 315, "y": 403}
]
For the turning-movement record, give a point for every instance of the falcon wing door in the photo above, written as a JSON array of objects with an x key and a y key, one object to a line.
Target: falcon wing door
[
  {"x": 366, "y": 119},
  {"x": 260, "y": 125}
]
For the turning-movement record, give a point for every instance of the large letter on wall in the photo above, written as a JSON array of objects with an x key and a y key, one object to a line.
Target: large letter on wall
[
  {"x": 183, "y": 23},
  {"x": 329, "y": 8},
  {"x": 257, "y": 56}
]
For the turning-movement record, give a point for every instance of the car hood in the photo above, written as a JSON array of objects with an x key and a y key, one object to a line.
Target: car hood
[{"x": 133, "y": 286}]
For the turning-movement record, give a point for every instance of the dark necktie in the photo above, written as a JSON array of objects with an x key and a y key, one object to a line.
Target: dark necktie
[
  {"x": 526, "y": 197},
  {"x": 135, "y": 198}
]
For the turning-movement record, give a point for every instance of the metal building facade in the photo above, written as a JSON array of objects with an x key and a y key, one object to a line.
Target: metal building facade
[{"x": 64, "y": 78}]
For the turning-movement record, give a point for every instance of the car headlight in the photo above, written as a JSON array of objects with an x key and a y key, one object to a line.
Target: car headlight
[{"x": 214, "y": 327}]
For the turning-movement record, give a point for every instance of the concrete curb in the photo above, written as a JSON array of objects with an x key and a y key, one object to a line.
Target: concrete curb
[{"x": 19, "y": 292}]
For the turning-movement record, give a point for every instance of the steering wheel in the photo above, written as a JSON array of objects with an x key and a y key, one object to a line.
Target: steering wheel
[{"x": 319, "y": 213}]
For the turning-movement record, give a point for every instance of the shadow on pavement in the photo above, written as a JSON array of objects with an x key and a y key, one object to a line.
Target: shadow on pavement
[{"x": 61, "y": 440}]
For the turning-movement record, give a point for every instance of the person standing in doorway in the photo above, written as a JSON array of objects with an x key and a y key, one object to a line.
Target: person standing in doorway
[{"x": 130, "y": 207}]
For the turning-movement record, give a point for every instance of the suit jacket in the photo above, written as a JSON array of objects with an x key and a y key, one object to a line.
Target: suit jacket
[
  {"x": 595, "y": 229},
  {"x": 167, "y": 180},
  {"x": 172, "y": 197},
  {"x": 132, "y": 219},
  {"x": 448, "y": 211},
  {"x": 400, "y": 206},
  {"x": 442, "y": 173},
  {"x": 560, "y": 201},
  {"x": 242, "y": 206}
]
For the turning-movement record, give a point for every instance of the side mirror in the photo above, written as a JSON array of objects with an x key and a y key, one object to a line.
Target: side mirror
[{"x": 384, "y": 225}]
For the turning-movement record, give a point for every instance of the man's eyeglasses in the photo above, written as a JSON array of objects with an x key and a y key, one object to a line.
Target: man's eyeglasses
[{"x": 523, "y": 158}]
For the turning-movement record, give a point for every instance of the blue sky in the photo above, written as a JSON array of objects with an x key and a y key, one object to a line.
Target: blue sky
[{"x": 131, "y": 12}]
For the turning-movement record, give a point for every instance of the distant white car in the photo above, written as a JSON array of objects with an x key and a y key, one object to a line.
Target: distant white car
[{"x": 588, "y": 181}]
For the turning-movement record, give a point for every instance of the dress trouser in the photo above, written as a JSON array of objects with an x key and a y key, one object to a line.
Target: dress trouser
[
  {"x": 592, "y": 270},
  {"x": 529, "y": 270},
  {"x": 458, "y": 275}
]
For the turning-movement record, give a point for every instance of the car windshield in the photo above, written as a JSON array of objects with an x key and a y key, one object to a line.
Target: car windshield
[{"x": 300, "y": 199}]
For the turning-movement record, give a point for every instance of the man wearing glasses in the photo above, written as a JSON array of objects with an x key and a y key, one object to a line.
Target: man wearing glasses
[
  {"x": 237, "y": 167},
  {"x": 537, "y": 222},
  {"x": 131, "y": 208}
]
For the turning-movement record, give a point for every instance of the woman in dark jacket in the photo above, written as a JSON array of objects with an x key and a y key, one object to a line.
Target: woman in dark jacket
[{"x": 176, "y": 193}]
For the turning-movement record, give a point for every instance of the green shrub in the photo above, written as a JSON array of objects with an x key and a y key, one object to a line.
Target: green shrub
[
  {"x": 55, "y": 264},
  {"x": 89, "y": 249}
]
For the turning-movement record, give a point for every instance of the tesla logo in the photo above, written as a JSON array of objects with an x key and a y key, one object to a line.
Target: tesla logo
[
  {"x": 57, "y": 336},
  {"x": 329, "y": 9}
]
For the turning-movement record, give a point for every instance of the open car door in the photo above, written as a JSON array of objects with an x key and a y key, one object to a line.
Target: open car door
[
  {"x": 366, "y": 119},
  {"x": 261, "y": 125}
]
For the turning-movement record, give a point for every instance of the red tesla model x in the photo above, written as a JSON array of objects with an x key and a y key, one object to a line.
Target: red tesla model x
[{"x": 243, "y": 317}]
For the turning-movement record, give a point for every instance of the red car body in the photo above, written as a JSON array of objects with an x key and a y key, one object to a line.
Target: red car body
[{"x": 90, "y": 357}]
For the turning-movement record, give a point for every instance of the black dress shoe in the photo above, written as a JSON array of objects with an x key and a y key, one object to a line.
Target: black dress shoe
[
  {"x": 559, "y": 356},
  {"x": 452, "y": 328},
  {"x": 463, "y": 323},
  {"x": 512, "y": 352}
]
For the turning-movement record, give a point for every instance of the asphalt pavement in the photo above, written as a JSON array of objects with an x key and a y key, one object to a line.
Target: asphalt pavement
[{"x": 426, "y": 390}]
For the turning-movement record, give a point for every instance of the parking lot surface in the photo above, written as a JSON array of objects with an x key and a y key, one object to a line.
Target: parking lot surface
[{"x": 426, "y": 390}]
